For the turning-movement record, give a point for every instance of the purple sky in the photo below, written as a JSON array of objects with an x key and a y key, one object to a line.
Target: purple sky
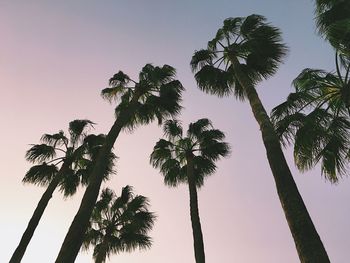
[{"x": 56, "y": 56}]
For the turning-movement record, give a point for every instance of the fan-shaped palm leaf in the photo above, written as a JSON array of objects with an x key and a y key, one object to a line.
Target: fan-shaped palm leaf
[
  {"x": 57, "y": 139},
  {"x": 77, "y": 129},
  {"x": 40, "y": 153},
  {"x": 40, "y": 174}
]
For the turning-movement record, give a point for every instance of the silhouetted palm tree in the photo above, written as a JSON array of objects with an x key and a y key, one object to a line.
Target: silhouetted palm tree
[
  {"x": 333, "y": 22},
  {"x": 245, "y": 51},
  {"x": 119, "y": 224},
  {"x": 190, "y": 159},
  {"x": 156, "y": 95},
  {"x": 316, "y": 118},
  {"x": 63, "y": 162}
]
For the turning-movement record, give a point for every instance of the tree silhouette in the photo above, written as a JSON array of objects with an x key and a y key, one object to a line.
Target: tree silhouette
[
  {"x": 156, "y": 95},
  {"x": 119, "y": 224},
  {"x": 333, "y": 23},
  {"x": 190, "y": 159},
  {"x": 62, "y": 162},
  {"x": 316, "y": 116},
  {"x": 243, "y": 52}
]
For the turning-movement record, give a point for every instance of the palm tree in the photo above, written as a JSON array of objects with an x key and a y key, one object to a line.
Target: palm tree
[
  {"x": 243, "y": 52},
  {"x": 62, "y": 162},
  {"x": 333, "y": 22},
  {"x": 316, "y": 118},
  {"x": 190, "y": 159},
  {"x": 119, "y": 224},
  {"x": 155, "y": 96}
]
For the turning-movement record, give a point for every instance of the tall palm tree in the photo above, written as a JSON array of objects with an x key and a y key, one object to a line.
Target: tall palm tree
[
  {"x": 316, "y": 118},
  {"x": 62, "y": 162},
  {"x": 190, "y": 159},
  {"x": 243, "y": 52},
  {"x": 119, "y": 224},
  {"x": 156, "y": 95}
]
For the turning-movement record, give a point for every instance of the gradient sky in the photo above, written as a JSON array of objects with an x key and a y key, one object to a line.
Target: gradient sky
[{"x": 56, "y": 56}]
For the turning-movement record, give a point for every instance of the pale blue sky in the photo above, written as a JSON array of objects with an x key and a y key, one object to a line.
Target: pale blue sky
[{"x": 56, "y": 56}]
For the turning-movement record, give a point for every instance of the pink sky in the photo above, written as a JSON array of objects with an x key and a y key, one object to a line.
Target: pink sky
[{"x": 56, "y": 56}]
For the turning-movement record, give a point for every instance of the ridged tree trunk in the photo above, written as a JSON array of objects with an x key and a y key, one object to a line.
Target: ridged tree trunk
[
  {"x": 308, "y": 243},
  {"x": 38, "y": 212},
  {"x": 196, "y": 224},
  {"x": 75, "y": 235},
  {"x": 101, "y": 256}
]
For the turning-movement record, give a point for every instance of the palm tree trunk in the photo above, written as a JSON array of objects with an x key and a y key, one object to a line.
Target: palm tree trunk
[
  {"x": 102, "y": 253},
  {"x": 38, "y": 212},
  {"x": 308, "y": 243},
  {"x": 196, "y": 224},
  {"x": 75, "y": 235}
]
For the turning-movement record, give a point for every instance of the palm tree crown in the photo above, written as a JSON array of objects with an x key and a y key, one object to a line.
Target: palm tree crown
[
  {"x": 203, "y": 142},
  {"x": 255, "y": 44},
  {"x": 333, "y": 22},
  {"x": 54, "y": 150},
  {"x": 157, "y": 93},
  {"x": 316, "y": 118},
  {"x": 77, "y": 150},
  {"x": 119, "y": 224}
]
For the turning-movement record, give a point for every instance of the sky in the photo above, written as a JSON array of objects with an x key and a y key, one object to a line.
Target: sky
[{"x": 56, "y": 57}]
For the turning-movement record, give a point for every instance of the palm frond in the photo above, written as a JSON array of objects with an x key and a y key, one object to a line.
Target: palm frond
[
  {"x": 215, "y": 81},
  {"x": 323, "y": 138},
  {"x": 119, "y": 79},
  {"x": 172, "y": 128},
  {"x": 173, "y": 175},
  {"x": 40, "y": 153},
  {"x": 70, "y": 183},
  {"x": 112, "y": 94},
  {"x": 120, "y": 223},
  {"x": 41, "y": 174},
  {"x": 77, "y": 129},
  {"x": 197, "y": 128},
  {"x": 57, "y": 139},
  {"x": 202, "y": 167},
  {"x": 287, "y": 127},
  {"x": 156, "y": 76},
  {"x": 214, "y": 150},
  {"x": 202, "y": 58},
  {"x": 161, "y": 151},
  {"x": 264, "y": 43},
  {"x": 333, "y": 22}
]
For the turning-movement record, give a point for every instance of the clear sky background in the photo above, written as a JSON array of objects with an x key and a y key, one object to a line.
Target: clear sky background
[{"x": 56, "y": 56}]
